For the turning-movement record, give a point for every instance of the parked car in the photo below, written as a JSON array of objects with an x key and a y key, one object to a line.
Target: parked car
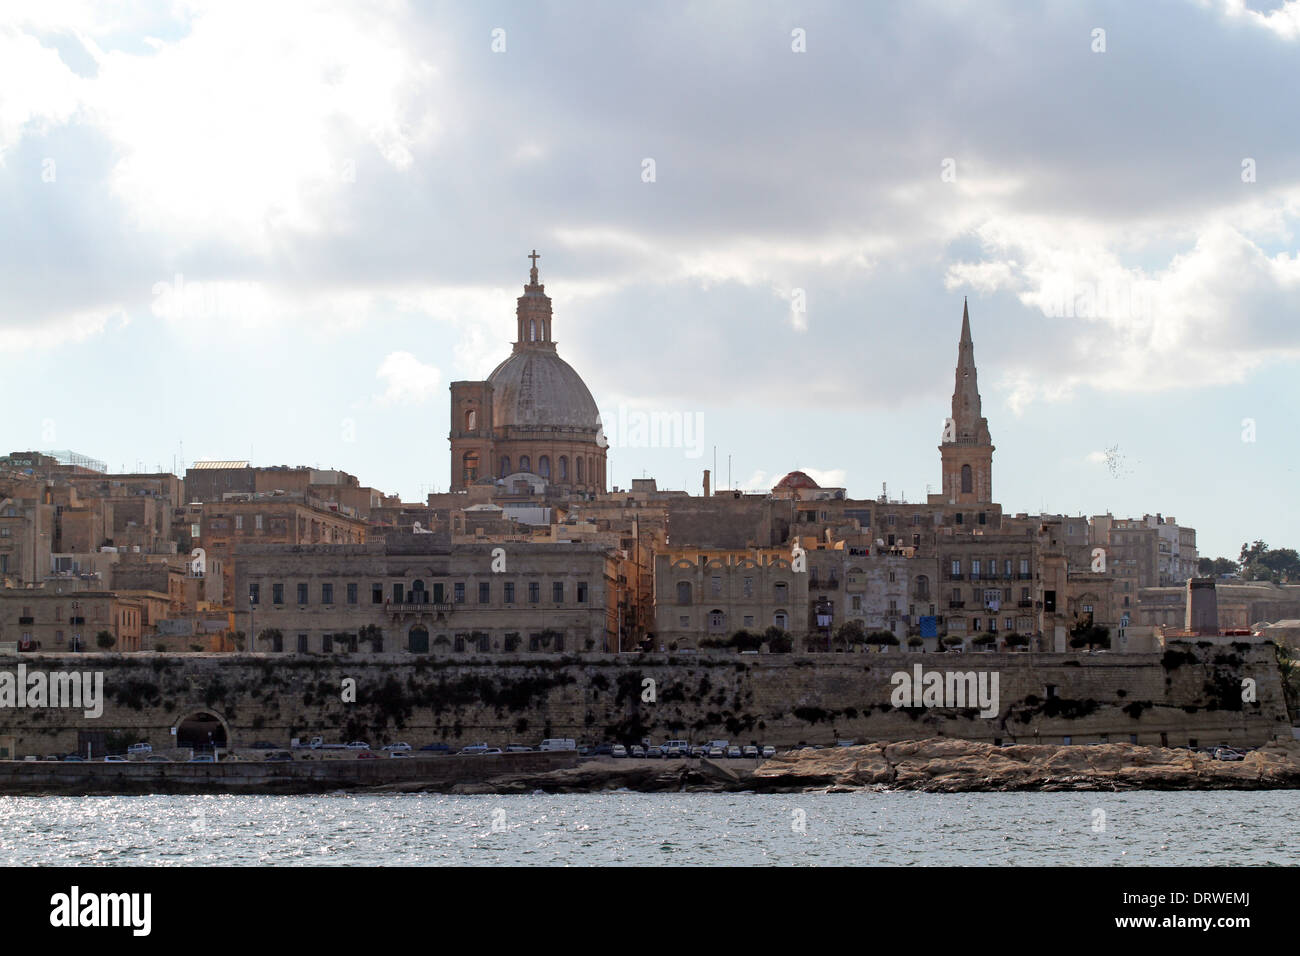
[
  {"x": 73, "y": 758},
  {"x": 141, "y": 749},
  {"x": 398, "y": 746},
  {"x": 278, "y": 755},
  {"x": 263, "y": 745},
  {"x": 558, "y": 743},
  {"x": 716, "y": 753},
  {"x": 437, "y": 748},
  {"x": 654, "y": 753},
  {"x": 518, "y": 749},
  {"x": 637, "y": 751},
  {"x": 618, "y": 750},
  {"x": 602, "y": 750},
  {"x": 358, "y": 745},
  {"x": 157, "y": 758},
  {"x": 750, "y": 751},
  {"x": 769, "y": 752},
  {"x": 733, "y": 751},
  {"x": 700, "y": 750},
  {"x": 492, "y": 752},
  {"x": 115, "y": 758},
  {"x": 676, "y": 748},
  {"x": 474, "y": 749},
  {"x": 1227, "y": 753},
  {"x": 399, "y": 753},
  {"x": 51, "y": 757},
  {"x": 203, "y": 758}
]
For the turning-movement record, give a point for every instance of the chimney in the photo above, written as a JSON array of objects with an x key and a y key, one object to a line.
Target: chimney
[
  {"x": 706, "y": 482},
  {"x": 1202, "y": 618}
]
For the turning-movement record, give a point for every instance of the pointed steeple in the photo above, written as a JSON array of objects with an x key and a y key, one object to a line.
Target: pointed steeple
[
  {"x": 533, "y": 313},
  {"x": 968, "y": 424}
]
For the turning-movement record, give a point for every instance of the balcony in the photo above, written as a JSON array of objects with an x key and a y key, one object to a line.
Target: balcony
[
  {"x": 1024, "y": 576},
  {"x": 956, "y": 576},
  {"x": 27, "y": 621}
]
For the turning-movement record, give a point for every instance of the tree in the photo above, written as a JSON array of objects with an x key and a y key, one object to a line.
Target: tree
[
  {"x": 778, "y": 640},
  {"x": 1217, "y": 566},
  {"x": 744, "y": 640},
  {"x": 881, "y": 638},
  {"x": 1092, "y": 635},
  {"x": 1251, "y": 552},
  {"x": 268, "y": 636},
  {"x": 105, "y": 639},
  {"x": 851, "y": 633}
]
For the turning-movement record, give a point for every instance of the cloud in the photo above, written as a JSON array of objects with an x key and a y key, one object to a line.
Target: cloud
[{"x": 408, "y": 381}]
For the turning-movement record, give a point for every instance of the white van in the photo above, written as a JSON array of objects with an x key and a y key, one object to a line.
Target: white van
[{"x": 559, "y": 743}]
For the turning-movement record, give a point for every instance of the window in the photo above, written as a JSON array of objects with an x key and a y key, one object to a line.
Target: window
[
  {"x": 983, "y": 518},
  {"x": 975, "y": 624},
  {"x": 194, "y": 531},
  {"x": 239, "y": 522},
  {"x": 376, "y": 594},
  {"x": 302, "y": 593},
  {"x": 717, "y": 622},
  {"x": 469, "y": 467},
  {"x": 254, "y": 593},
  {"x": 579, "y": 461},
  {"x": 458, "y": 592},
  {"x": 782, "y": 591},
  {"x": 277, "y": 643},
  {"x": 780, "y": 619},
  {"x": 484, "y": 592},
  {"x": 397, "y": 593},
  {"x": 557, "y": 592},
  {"x": 505, "y": 465},
  {"x": 471, "y": 420},
  {"x": 1008, "y": 624},
  {"x": 302, "y": 643},
  {"x": 956, "y": 568},
  {"x": 855, "y": 602},
  {"x": 257, "y": 522},
  {"x": 564, "y": 468},
  {"x": 1024, "y": 567},
  {"x": 683, "y": 592},
  {"x": 510, "y": 592},
  {"x": 959, "y": 517},
  {"x": 534, "y": 592},
  {"x": 683, "y": 621},
  {"x": 749, "y": 620},
  {"x": 749, "y": 587},
  {"x": 327, "y": 594},
  {"x": 715, "y": 584},
  {"x": 582, "y": 592},
  {"x": 892, "y": 519},
  {"x": 916, "y": 519},
  {"x": 966, "y": 483},
  {"x": 544, "y": 466},
  {"x": 352, "y": 593},
  {"x": 327, "y": 643},
  {"x": 891, "y": 577},
  {"x": 525, "y": 463},
  {"x": 277, "y": 593}
]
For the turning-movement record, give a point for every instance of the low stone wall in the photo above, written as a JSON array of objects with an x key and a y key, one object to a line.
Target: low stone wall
[
  {"x": 250, "y": 776},
  {"x": 1187, "y": 694}
]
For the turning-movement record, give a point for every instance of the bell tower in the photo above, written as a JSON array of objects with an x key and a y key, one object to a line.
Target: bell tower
[{"x": 967, "y": 448}]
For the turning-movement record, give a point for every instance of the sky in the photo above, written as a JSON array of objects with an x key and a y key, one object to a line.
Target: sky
[{"x": 278, "y": 232}]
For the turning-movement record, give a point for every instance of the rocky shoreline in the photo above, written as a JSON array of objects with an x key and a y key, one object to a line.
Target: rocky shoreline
[{"x": 935, "y": 765}]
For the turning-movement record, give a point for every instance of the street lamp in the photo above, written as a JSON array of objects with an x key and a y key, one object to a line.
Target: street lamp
[{"x": 252, "y": 623}]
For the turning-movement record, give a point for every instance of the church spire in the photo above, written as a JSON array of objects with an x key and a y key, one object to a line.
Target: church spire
[
  {"x": 968, "y": 424},
  {"x": 967, "y": 449},
  {"x": 533, "y": 313}
]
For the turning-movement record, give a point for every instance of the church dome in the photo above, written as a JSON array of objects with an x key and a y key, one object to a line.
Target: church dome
[
  {"x": 535, "y": 388},
  {"x": 794, "y": 480}
]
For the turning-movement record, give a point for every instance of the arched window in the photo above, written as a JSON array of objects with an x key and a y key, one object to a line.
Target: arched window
[
  {"x": 544, "y": 466},
  {"x": 525, "y": 464},
  {"x": 469, "y": 471},
  {"x": 922, "y": 587},
  {"x": 579, "y": 460},
  {"x": 683, "y": 592},
  {"x": 532, "y": 330},
  {"x": 564, "y": 468},
  {"x": 471, "y": 420},
  {"x": 717, "y": 622},
  {"x": 966, "y": 484},
  {"x": 780, "y": 620},
  {"x": 418, "y": 594},
  {"x": 505, "y": 465}
]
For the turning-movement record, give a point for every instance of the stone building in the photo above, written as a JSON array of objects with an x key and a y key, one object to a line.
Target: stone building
[
  {"x": 532, "y": 416},
  {"x": 54, "y": 619},
  {"x": 425, "y": 594}
]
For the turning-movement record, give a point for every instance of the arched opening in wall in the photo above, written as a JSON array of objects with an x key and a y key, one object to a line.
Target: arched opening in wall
[
  {"x": 564, "y": 468},
  {"x": 967, "y": 486},
  {"x": 525, "y": 463},
  {"x": 469, "y": 467},
  {"x": 417, "y": 640},
  {"x": 202, "y": 730},
  {"x": 717, "y": 622},
  {"x": 544, "y": 466},
  {"x": 922, "y": 588},
  {"x": 781, "y": 620},
  {"x": 579, "y": 470},
  {"x": 418, "y": 594},
  {"x": 471, "y": 420},
  {"x": 532, "y": 330},
  {"x": 505, "y": 465}
]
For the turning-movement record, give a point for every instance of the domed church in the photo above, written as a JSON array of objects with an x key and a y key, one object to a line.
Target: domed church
[{"x": 534, "y": 416}]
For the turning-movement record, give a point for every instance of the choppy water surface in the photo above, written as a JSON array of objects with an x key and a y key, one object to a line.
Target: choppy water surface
[{"x": 910, "y": 829}]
